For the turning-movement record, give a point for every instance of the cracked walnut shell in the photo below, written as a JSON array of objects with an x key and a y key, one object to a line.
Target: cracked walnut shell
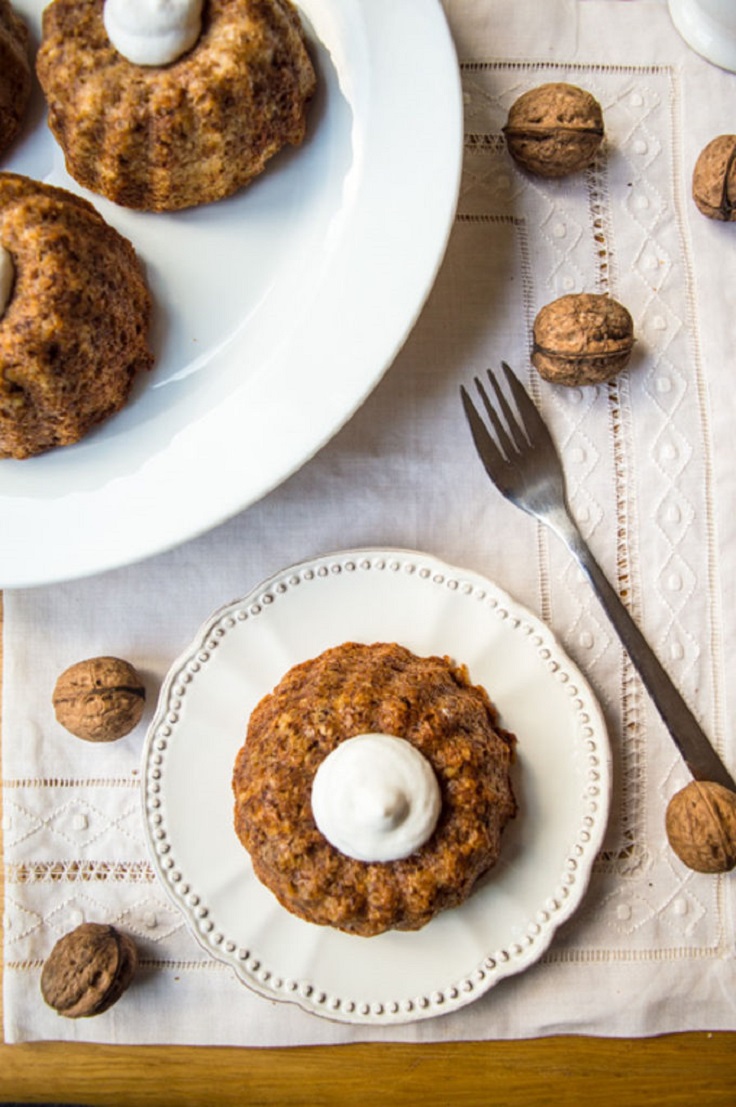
[
  {"x": 714, "y": 179},
  {"x": 582, "y": 338},
  {"x": 701, "y": 826},
  {"x": 88, "y": 970},
  {"x": 554, "y": 129},
  {"x": 100, "y": 699}
]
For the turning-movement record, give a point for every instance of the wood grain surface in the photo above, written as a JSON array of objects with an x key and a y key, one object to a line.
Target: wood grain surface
[{"x": 694, "y": 1070}]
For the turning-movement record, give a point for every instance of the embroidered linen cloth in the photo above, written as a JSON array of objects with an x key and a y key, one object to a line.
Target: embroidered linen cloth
[{"x": 651, "y": 467}]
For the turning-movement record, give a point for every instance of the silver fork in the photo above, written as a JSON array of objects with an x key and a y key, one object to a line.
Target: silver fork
[{"x": 521, "y": 459}]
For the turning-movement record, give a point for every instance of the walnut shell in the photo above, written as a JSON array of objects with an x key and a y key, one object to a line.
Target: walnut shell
[
  {"x": 701, "y": 826},
  {"x": 582, "y": 338},
  {"x": 100, "y": 699},
  {"x": 714, "y": 179},
  {"x": 88, "y": 970},
  {"x": 554, "y": 129}
]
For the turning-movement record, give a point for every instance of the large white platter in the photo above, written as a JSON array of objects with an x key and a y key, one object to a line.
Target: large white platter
[
  {"x": 562, "y": 780},
  {"x": 277, "y": 311}
]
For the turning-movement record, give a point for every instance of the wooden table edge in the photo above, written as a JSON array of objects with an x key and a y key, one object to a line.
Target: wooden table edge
[{"x": 687, "y": 1069}]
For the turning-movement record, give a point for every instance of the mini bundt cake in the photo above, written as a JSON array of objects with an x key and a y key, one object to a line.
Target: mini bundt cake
[
  {"x": 15, "y": 73},
  {"x": 352, "y": 692},
  {"x": 164, "y": 137},
  {"x": 73, "y": 333}
]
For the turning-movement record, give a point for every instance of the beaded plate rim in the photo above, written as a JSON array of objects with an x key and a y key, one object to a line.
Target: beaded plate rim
[{"x": 185, "y": 889}]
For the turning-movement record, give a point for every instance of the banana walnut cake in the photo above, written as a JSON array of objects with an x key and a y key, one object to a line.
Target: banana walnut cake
[{"x": 373, "y": 788}]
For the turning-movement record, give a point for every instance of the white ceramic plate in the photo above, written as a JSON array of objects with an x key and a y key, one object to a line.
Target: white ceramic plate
[
  {"x": 562, "y": 781},
  {"x": 277, "y": 311}
]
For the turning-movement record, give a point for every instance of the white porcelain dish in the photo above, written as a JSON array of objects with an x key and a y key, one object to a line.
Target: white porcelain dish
[
  {"x": 277, "y": 311},
  {"x": 709, "y": 27},
  {"x": 562, "y": 780}
]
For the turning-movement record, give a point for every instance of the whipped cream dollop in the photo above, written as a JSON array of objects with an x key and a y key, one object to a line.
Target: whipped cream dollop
[
  {"x": 7, "y": 276},
  {"x": 375, "y": 797},
  {"x": 153, "y": 32}
]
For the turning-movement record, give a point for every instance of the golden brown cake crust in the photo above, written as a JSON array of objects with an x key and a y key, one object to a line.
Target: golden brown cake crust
[
  {"x": 74, "y": 333},
  {"x": 353, "y": 689},
  {"x": 189, "y": 133},
  {"x": 15, "y": 73}
]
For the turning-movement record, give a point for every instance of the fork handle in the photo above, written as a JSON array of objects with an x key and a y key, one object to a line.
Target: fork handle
[{"x": 697, "y": 751}]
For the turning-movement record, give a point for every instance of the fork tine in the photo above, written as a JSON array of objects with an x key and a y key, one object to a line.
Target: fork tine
[
  {"x": 503, "y": 439},
  {"x": 510, "y": 416},
  {"x": 489, "y": 452},
  {"x": 535, "y": 427}
]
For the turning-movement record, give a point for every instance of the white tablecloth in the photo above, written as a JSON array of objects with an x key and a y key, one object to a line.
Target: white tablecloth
[{"x": 650, "y": 461}]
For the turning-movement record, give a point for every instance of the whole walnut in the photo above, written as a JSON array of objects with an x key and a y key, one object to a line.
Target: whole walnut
[
  {"x": 100, "y": 699},
  {"x": 582, "y": 338},
  {"x": 554, "y": 129},
  {"x": 88, "y": 970},
  {"x": 701, "y": 826},
  {"x": 714, "y": 179}
]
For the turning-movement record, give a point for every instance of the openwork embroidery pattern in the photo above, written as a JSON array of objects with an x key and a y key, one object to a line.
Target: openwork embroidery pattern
[{"x": 618, "y": 228}]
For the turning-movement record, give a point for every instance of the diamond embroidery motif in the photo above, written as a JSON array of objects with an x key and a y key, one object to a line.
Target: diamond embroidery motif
[
  {"x": 674, "y": 516},
  {"x": 683, "y": 914},
  {"x": 562, "y": 229},
  {"x": 486, "y": 179},
  {"x": 644, "y": 206},
  {"x": 676, "y": 583},
  {"x": 672, "y": 452},
  {"x": 81, "y": 823},
  {"x": 589, "y": 639},
  {"x": 644, "y": 146},
  {"x": 19, "y": 824},
  {"x": 20, "y": 921},
  {"x": 74, "y": 910},
  {"x": 627, "y": 911},
  {"x": 653, "y": 264},
  {"x": 665, "y": 384},
  {"x": 152, "y": 919},
  {"x": 482, "y": 103}
]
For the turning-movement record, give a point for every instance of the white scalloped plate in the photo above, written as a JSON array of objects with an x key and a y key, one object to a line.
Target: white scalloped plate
[
  {"x": 277, "y": 311},
  {"x": 562, "y": 780}
]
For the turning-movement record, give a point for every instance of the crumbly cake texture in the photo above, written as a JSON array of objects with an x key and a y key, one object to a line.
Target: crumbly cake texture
[
  {"x": 15, "y": 73},
  {"x": 170, "y": 137},
  {"x": 353, "y": 689},
  {"x": 74, "y": 333}
]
